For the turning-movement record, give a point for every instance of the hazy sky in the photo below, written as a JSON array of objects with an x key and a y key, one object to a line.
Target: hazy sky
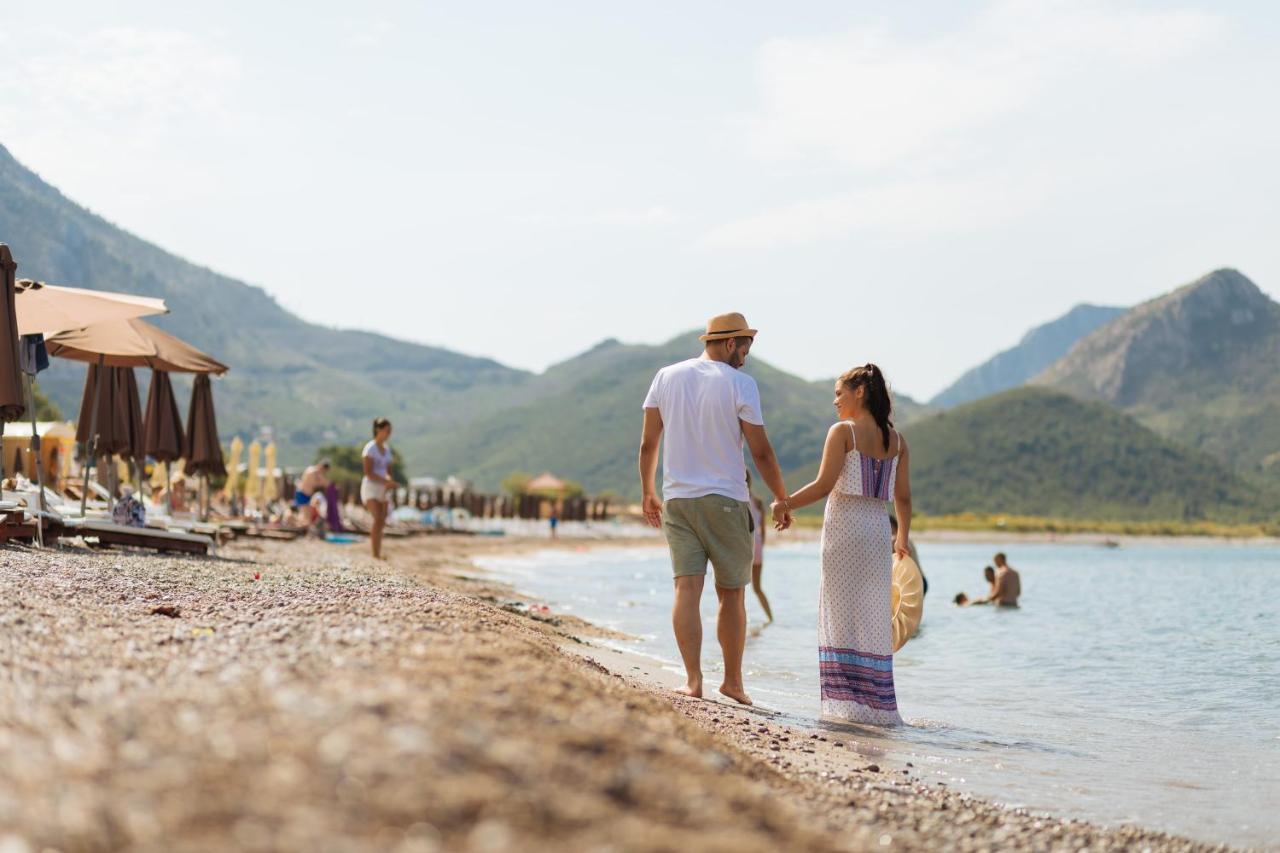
[{"x": 915, "y": 184}]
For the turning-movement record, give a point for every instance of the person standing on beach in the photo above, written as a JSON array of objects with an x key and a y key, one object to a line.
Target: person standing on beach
[
  {"x": 700, "y": 411},
  {"x": 377, "y": 481},
  {"x": 864, "y": 467},
  {"x": 757, "y": 543}
]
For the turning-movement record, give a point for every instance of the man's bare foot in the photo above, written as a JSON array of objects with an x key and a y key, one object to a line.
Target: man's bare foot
[
  {"x": 693, "y": 688},
  {"x": 737, "y": 694}
]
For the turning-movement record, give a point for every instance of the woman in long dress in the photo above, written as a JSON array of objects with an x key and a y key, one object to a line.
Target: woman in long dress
[{"x": 864, "y": 466}]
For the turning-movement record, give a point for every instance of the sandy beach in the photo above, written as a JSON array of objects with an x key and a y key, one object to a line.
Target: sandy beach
[{"x": 303, "y": 696}]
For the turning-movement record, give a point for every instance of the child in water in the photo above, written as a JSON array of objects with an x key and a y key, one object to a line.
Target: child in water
[{"x": 757, "y": 561}]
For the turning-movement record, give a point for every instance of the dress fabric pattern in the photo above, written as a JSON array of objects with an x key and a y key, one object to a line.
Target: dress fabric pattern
[{"x": 855, "y": 635}]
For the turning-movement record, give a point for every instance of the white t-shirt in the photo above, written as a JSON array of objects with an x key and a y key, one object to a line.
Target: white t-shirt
[
  {"x": 701, "y": 401},
  {"x": 381, "y": 459}
]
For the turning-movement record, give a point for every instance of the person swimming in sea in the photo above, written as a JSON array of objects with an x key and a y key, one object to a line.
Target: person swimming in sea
[{"x": 1004, "y": 585}]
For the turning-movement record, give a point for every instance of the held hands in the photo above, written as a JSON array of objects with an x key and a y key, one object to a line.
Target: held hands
[
  {"x": 781, "y": 511},
  {"x": 652, "y": 508}
]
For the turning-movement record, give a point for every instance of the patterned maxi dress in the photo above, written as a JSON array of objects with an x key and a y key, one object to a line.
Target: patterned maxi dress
[{"x": 855, "y": 635}]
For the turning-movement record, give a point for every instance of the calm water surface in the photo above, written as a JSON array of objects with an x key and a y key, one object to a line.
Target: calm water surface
[{"x": 1139, "y": 684}]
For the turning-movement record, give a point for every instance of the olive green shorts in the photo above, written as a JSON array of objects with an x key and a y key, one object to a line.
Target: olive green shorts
[{"x": 710, "y": 528}]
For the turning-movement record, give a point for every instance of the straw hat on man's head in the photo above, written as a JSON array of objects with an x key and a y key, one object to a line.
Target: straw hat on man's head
[{"x": 723, "y": 326}]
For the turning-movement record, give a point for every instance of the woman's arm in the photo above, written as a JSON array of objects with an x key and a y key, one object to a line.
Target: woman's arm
[
  {"x": 833, "y": 453},
  {"x": 902, "y": 501}
]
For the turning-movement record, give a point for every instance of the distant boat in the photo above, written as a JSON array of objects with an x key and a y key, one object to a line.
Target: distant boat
[{"x": 1110, "y": 543}]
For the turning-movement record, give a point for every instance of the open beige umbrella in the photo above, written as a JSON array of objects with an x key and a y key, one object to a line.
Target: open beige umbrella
[
  {"x": 46, "y": 309},
  {"x": 133, "y": 343},
  {"x": 907, "y": 600}
]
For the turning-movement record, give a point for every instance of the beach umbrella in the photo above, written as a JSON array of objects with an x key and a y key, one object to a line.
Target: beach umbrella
[
  {"x": 46, "y": 309},
  {"x": 12, "y": 402},
  {"x": 202, "y": 451},
  {"x": 162, "y": 425},
  {"x": 133, "y": 343},
  {"x": 233, "y": 467},
  {"x": 135, "y": 425},
  {"x": 101, "y": 412},
  {"x": 906, "y": 600},
  {"x": 270, "y": 485},
  {"x": 252, "y": 482}
]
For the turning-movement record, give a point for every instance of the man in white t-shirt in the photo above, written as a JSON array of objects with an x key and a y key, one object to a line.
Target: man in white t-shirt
[{"x": 701, "y": 411}]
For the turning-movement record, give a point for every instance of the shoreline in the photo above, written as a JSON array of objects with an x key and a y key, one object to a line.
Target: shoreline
[
  {"x": 300, "y": 695},
  {"x": 821, "y": 754}
]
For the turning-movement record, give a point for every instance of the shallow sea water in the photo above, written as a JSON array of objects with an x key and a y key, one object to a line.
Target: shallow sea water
[{"x": 1134, "y": 685}]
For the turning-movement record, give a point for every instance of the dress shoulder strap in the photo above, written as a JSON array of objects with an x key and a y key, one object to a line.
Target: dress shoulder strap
[
  {"x": 853, "y": 432},
  {"x": 900, "y": 444}
]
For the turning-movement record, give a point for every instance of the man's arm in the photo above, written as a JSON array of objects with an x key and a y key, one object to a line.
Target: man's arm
[
  {"x": 766, "y": 463},
  {"x": 650, "y": 441}
]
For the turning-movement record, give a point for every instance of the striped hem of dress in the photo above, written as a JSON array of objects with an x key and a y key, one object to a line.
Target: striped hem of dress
[{"x": 852, "y": 676}]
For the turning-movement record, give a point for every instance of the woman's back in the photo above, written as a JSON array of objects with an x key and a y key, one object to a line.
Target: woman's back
[{"x": 870, "y": 469}]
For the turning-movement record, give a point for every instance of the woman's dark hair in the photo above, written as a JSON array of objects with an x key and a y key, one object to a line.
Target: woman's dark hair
[
  {"x": 379, "y": 423},
  {"x": 877, "y": 395}
]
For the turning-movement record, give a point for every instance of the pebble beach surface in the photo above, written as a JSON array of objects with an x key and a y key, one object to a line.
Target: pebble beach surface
[{"x": 300, "y": 696}]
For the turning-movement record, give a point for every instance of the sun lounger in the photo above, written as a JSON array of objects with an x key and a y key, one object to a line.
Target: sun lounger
[
  {"x": 14, "y": 523},
  {"x": 109, "y": 533}
]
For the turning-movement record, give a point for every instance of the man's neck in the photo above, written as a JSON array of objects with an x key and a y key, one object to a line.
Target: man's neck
[{"x": 710, "y": 356}]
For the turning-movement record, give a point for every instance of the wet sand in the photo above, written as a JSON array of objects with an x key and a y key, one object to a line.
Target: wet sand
[{"x": 336, "y": 703}]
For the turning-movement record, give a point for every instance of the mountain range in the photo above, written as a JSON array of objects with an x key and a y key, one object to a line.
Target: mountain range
[
  {"x": 1038, "y": 349},
  {"x": 309, "y": 383},
  {"x": 1199, "y": 365},
  {"x": 1181, "y": 393}
]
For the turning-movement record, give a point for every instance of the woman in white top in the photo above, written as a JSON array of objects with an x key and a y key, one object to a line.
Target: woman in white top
[{"x": 377, "y": 481}]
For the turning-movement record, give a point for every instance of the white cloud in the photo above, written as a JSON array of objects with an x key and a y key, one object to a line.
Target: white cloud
[
  {"x": 907, "y": 123},
  {"x": 646, "y": 216},
  {"x": 868, "y": 98},
  {"x": 126, "y": 76},
  {"x": 920, "y": 206}
]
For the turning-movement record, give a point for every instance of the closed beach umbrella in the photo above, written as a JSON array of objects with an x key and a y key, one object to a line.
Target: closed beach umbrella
[
  {"x": 162, "y": 426},
  {"x": 108, "y": 419},
  {"x": 252, "y": 483},
  {"x": 134, "y": 424},
  {"x": 270, "y": 485},
  {"x": 202, "y": 451},
  {"x": 233, "y": 467},
  {"x": 12, "y": 405},
  {"x": 47, "y": 309}
]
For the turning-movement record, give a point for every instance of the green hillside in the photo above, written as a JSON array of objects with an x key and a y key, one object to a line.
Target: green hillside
[
  {"x": 1200, "y": 365},
  {"x": 1033, "y": 451},
  {"x": 313, "y": 384},
  {"x": 583, "y": 421}
]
